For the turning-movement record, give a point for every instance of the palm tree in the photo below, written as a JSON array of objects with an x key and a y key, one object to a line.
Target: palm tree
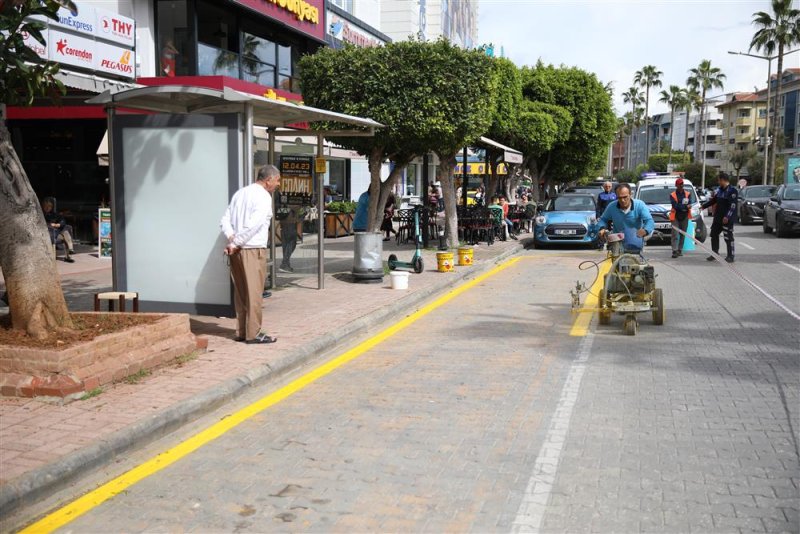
[
  {"x": 779, "y": 32},
  {"x": 705, "y": 77},
  {"x": 674, "y": 99},
  {"x": 691, "y": 101},
  {"x": 648, "y": 77},
  {"x": 633, "y": 97}
]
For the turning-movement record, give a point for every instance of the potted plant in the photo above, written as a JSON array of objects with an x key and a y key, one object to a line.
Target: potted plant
[{"x": 339, "y": 218}]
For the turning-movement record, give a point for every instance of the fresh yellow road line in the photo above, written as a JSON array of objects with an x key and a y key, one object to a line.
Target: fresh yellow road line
[
  {"x": 75, "y": 509},
  {"x": 581, "y": 325}
]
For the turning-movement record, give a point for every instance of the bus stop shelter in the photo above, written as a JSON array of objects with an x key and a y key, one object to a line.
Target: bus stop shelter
[{"x": 176, "y": 156}]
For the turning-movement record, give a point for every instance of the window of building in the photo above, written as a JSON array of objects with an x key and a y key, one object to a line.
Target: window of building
[
  {"x": 744, "y": 113},
  {"x": 218, "y": 41},
  {"x": 175, "y": 48},
  {"x": 743, "y": 130},
  {"x": 259, "y": 60},
  {"x": 762, "y": 113},
  {"x": 347, "y": 5}
]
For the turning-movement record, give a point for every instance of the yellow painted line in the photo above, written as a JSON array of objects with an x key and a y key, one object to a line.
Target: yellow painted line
[
  {"x": 580, "y": 327},
  {"x": 77, "y": 508}
]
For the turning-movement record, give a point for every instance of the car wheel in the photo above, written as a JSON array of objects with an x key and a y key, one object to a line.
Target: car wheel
[
  {"x": 780, "y": 228},
  {"x": 767, "y": 229}
]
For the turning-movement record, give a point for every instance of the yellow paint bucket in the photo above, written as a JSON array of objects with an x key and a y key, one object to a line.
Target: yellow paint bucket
[
  {"x": 445, "y": 261},
  {"x": 465, "y": 256}
]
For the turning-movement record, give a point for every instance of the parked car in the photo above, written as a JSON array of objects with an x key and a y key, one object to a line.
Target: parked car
[
  {"x": 655, "y": 192},
  {"x": 751, "y": 202},
  {"x": 566, "y": 219},
  {"x": 782, "y": 211}
]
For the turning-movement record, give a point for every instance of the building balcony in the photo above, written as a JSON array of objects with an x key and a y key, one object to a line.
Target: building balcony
[{"x": 744, "y": 138}]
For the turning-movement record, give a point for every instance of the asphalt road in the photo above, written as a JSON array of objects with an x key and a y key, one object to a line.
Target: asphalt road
[{"x": 485, "y": 415}]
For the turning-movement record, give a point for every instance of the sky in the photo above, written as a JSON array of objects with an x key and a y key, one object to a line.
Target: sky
[{"x": 615, "y": 38}]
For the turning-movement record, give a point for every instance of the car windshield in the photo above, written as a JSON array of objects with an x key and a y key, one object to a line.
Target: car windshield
[
  {"x": 792, "y": 192},
  {"x": 660, "y": 194},
  {"x": 759, "y": 191},
  {"x": 571, "y": 203}
]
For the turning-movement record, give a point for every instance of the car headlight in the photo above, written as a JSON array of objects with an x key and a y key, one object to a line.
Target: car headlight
[
  {"x": 791, "y": 212},
  {"x": 540, "y": 219},
  {"x": 592, "y": 219},
  {"x": 695, "y": 212},
  {"x": 750, "y": 203}
]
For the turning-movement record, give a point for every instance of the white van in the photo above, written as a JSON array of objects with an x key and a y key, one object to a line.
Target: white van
[{"x": 655, "y": 192}]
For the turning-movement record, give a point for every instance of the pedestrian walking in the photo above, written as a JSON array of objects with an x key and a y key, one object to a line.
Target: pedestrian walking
[
  {"x": 679, "y": 216},
  {"x": 246, "y": 226},
  {"x": 724, "y": 201}
]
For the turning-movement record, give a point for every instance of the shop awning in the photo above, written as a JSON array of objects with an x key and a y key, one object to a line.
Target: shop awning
[
  {"x": 509, "y": 154},
  {"x": 266, "y": 112}
]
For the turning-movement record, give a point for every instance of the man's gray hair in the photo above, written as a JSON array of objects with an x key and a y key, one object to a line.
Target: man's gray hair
[{"x": 266, "y": 172}]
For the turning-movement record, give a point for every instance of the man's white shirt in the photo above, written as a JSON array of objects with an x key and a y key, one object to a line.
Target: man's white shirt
[{"x": 248, "y": 217}]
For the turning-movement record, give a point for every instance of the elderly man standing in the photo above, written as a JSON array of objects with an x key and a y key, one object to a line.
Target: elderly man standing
[{"x": 246, "y": 226}]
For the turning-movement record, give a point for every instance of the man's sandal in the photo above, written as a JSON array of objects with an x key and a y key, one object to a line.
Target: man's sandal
[{"x": 261, "y": 338}]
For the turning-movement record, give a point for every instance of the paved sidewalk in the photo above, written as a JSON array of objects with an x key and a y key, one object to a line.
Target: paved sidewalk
[{"x": 45, "y": 446}]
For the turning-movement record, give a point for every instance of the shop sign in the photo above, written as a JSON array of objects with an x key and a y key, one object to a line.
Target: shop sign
[
  {"x": 115, "y": 60},
  {"x": 71, "y": 49},
  {"x": 345, "y": 30},
  {"x": 479, "y": 168},
  {"x": 303, "y": 15},
  {"x": 35, "y": 45},
  {"x": 97, "y": 22},
  {"x": 114, "y": 27},
  {"x": 83, "y": 22}
]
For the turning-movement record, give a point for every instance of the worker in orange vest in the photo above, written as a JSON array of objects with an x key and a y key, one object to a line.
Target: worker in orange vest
[{"x": 679, "y": 216}]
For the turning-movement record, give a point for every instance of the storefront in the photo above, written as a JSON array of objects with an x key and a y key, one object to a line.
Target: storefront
[{"x": 57, "y": 145}]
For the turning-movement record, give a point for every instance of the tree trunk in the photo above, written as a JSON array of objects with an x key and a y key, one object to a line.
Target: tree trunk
[
  {"x": 647, "y": 127},
  {"x": 375, "y": 163},
  {"x": 446, "y": 165},
  {"x": 34, "y": 290},
  {"x": 686, "y": 135},
  {"x": 671, "y": 133},
  {"x": 774, "y": 156},
  {"x": 385, "y": 189}
]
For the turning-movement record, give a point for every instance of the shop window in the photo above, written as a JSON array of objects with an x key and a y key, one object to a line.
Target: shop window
[
  {"x": 174, "y": 39},
  {"x": 259, "y": 59},
  {"x": 218, "y": 41}
]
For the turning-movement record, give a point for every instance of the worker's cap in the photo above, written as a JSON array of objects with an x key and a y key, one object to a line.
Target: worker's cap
[{"x": 679, "y": 182}]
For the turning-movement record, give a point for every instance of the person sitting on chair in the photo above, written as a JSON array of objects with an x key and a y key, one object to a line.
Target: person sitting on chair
[{"x": 58, "y": 227}]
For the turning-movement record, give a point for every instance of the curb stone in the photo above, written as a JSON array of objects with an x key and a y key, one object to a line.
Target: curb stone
[{"x": 45, "y": 481}]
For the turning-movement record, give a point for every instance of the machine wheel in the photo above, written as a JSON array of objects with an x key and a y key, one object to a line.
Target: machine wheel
[
  {"x": 604, "y": 317},
  {"x": 780, "y": 228},
  {"x": 419, "y": 266},
  {"x": 658, "y": 307},
  {"x": 767, "y": 229},
  {"x": 631, "y": 325},
  {"x": 392, "y": 262}
]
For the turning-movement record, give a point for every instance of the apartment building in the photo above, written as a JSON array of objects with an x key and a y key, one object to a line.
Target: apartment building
[
  {"x": 744, "y": 117},
  {"x": 455, "y": 20}
]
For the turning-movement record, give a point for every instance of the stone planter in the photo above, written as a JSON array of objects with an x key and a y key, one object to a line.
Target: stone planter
[{"x": 70, "y": 372}]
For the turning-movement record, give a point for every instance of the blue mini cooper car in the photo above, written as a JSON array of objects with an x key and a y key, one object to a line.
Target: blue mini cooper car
[{"x": 568, "y": 219}]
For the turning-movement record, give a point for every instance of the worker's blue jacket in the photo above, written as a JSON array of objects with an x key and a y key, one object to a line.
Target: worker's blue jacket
[{"x": 638, "y": 217}]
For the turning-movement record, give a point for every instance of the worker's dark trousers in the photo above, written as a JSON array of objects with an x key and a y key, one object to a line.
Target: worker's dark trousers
[{"x": 727, "y": 234}]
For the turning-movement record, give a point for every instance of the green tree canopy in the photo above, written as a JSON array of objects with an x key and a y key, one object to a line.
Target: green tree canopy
[{"x": 584, "y": 145}]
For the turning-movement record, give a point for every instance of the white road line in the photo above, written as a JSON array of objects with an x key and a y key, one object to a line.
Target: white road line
[
  {"x": 745, "y": 245},
  {"x": 790, "y": 266},
  {"x": 537, "y": 494}
]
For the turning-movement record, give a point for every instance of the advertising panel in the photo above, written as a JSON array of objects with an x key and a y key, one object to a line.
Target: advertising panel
[
  {"x": 83, "y": 22},
  {"x": 793, "y": 169},
  {"x": 35, "y": 45},
  {"x": 70, "y": 49},
  {"x": 114, "y": 60},
  {"x": 104, "y": 232},
  {"x": 306, "y": 16},
  {"x": 114, "y": 27},
  {"x": 297, "y": 183}
]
